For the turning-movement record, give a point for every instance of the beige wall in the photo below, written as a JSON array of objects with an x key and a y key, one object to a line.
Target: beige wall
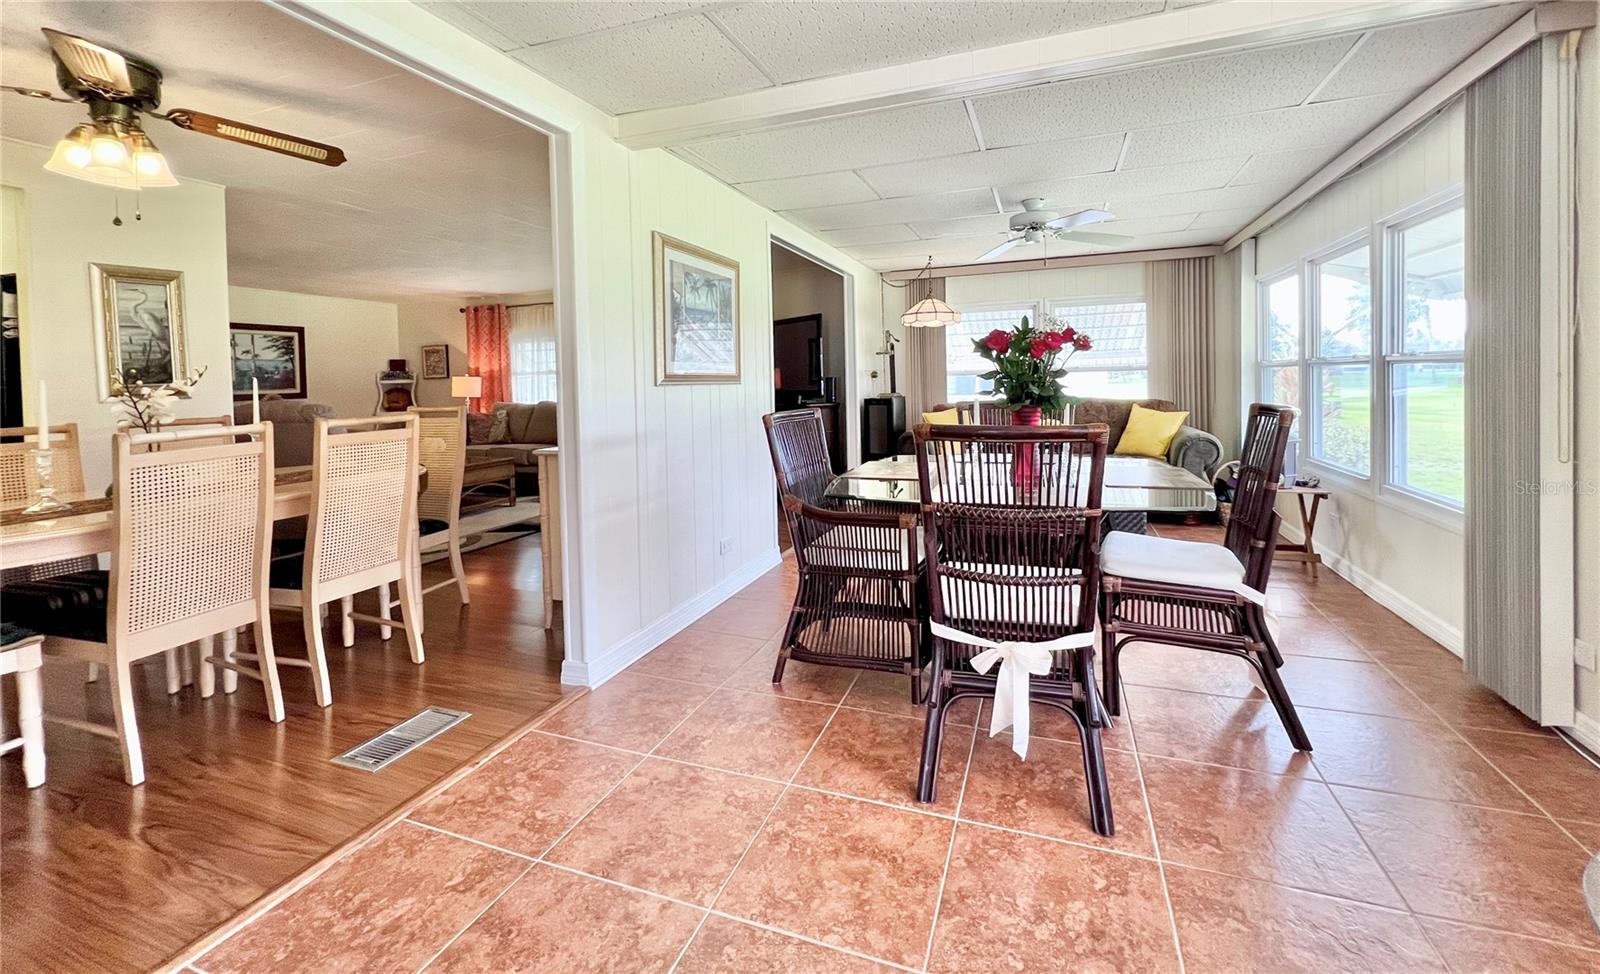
[
  {"x": 440, "y": 321},
  {"x": 804, "y": 287},
  {"x": 63, "y": 226},
  {"x": 348, "y": 342}
]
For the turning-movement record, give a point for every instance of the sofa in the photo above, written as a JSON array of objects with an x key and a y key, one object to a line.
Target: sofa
[
  {"x": 1193, "y": 449},
  {"x": 292, "y": 421},
  {"x": 529, "y": 427}
]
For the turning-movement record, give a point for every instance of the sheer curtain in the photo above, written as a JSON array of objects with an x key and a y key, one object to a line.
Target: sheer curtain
[{"x": 533, "y": 353}]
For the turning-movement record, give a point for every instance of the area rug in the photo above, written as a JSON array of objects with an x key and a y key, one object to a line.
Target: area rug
[{"x": 493, "y": 526}]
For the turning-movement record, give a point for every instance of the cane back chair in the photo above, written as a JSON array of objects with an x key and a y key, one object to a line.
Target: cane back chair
[
  {"x": 859, "y": 593},
  {"x": 1207, "y": 596},
  {"x": 1012, "y": 516},
  {"x": 192, "y": 532},
  {"x": 442, "y": 448},
  {"x": 17, "y": 480}
]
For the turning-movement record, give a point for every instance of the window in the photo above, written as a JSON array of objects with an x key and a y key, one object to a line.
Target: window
[
  {"x": 1280, "y": 340},
  {"x": 1426, "y": 361},
  {"x": 1117, "y": 367},
  {"x": 533, "y": 353},
  {"x": 1340, "y": 407}
]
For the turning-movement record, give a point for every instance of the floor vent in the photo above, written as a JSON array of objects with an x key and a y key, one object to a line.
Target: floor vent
[{"x": 401, "y": 739}]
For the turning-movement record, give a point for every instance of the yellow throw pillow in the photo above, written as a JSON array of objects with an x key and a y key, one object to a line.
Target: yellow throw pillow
[
  {"x": 1149, "y": 433},
  {"x": 944, "y": 417}
]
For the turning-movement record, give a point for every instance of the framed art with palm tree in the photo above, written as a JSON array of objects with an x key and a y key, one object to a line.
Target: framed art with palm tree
[
  {"x": 139, "y": 325},
  {"x": 696, "y": 314},
  {"x": 273, "y": 355}
]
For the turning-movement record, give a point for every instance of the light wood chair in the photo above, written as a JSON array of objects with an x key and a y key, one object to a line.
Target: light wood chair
[
  {"x": 442, "y": 449},
  {"x": 361, "y": 534},
  {"x": 19, "y": 655},
  {"x": 192, "y": 535},
  {"x": 17, "y": 444}
]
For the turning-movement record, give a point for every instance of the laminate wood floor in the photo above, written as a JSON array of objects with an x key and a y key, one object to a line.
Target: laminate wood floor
[{"x": 98, "y": 876}]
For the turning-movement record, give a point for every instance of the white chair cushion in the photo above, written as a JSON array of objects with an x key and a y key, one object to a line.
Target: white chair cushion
[
  {"x": 993, "y": 602},
  {"x": 1153, "y": 559},
  {"x": 840, "y": 547}
]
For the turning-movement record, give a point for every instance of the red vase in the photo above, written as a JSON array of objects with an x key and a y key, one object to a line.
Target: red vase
[
  {"x": 1024, "y": 466},
  {"x": 1027, "y": 416}
]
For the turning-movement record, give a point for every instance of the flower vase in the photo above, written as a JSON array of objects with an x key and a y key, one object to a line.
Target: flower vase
[{"x": 1024, "y": 463}]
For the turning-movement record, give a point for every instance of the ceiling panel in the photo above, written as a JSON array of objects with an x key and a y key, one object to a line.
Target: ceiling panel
[
  {"x": 1196, "y": 88},
  {"x": 850, "y": 142},
  {"x": 1258, "y": 197},
  {"x": 942, "y": 206},
  {"x": 1407, "y": 59},
  {"x": 888, "y": 233},
  {"x": 690, "y": 60},
  {"x": 1226, "y": 221},
  {"x": 1286, "y": 166},
  {"x": 1047, "y": 161},
  {"x": 998, "y": 225},
  {"x": 1125, "y": 183},
  {"x": 799, "y": 191},
  {"x": 797, "y": 41},
  {"x": 513, "y": 25},
  {"x": 1318, "y": 124}
]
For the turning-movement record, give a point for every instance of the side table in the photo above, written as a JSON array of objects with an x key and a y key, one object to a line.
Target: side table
[{"x": 1310, "y": 500}]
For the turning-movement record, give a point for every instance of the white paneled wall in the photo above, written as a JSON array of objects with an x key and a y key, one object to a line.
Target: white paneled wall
[{"x": 1413, "y": 564}]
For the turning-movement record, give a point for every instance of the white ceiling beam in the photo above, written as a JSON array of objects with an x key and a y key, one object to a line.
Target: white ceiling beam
[
  {"x": 1227, "y": 25},
  {"x": 1046, "y": 263},
  {"x": 1546, "y": 19}
]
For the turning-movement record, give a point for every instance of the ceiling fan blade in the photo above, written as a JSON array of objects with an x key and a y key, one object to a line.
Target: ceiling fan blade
[
  {"x": 93, "y": 66},
  {"x": 1082, "y": 218},
  {"x": 1084, "y": 236},
  {"x": 1002, "y": 248},
  {"x": 281, "y": 142}
]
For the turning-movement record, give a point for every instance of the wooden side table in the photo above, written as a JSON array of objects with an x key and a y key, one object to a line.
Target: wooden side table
[
  {"x": 1305, "y": 551},
  {"x": 488, "y": 483}
]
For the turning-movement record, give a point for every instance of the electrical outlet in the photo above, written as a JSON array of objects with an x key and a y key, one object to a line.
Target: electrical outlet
[
  {"x": 725, "y": 546},
  {"x": 1583, "y": 653}
]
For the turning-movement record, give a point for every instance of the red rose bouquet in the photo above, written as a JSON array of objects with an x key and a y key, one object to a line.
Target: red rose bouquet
[{"x": 1029, "y": 363}]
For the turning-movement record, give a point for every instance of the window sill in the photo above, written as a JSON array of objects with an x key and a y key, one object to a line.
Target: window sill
[{"x": 1339, "y": 481}]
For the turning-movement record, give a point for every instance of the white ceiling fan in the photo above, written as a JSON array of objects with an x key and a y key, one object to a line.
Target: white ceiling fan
[{"x": 1036, "y": 223}]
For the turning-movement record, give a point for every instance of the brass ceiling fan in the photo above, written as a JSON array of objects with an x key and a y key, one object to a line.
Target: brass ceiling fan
[{"x": 112, "y": 149}]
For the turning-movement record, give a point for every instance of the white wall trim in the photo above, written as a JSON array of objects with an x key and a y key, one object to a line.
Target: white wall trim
[
  {"x": 1048, "y": 263},
  {"x": 627, "y": 651},
  {"x": 1585, "y": 730},
  {"x": 1430, "y": 624}
]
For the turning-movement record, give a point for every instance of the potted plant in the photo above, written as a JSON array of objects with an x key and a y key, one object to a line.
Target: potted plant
[
  {"x": 1029, "y": 364},
  {"x": 148, "y": 406}
]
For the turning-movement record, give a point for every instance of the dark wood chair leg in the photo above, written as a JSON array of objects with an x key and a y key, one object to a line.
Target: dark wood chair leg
[
  {"x": 1279, "y": 695},
  {"x": 1094, "y": 772},
  {"x": 1111, "y": 682},
  {"x": 1258, "y": 622},
  {"x": 928, "y": 775},
  {"x": 783, "y": 659}
]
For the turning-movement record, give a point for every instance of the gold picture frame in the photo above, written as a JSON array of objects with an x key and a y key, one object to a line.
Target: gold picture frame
[
  {"x": 139, "y": 323},
  {"x": 696, "y": 313}
]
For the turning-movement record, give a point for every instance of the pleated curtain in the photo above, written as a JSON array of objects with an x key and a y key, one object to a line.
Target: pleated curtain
[
  {"x": 1180, "y": 310},
  {"x": 926, "y": 383},
  {"x": 489, "y": 353}
]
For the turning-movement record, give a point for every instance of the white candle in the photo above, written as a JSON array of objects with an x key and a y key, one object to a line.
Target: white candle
[
  {"x": 255, "y": 401},
  {"x": 44, "y": 418}
]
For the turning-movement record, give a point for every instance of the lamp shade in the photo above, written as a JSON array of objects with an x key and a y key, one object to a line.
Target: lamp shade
[
  {"x": 466, "y": 386},
  {"x": 930, "y": 313}
]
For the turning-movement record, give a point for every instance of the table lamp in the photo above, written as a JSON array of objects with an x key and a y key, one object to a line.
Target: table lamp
[{"x": 466, "y": 386}]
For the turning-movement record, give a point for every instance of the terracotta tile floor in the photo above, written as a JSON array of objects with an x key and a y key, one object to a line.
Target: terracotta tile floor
[{"x": 690, "y": 817}]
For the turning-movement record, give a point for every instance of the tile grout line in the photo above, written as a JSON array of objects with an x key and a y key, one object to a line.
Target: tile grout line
[
  {"x": 950, "y": 849},
  {"x": 1155, "y": 838},
  {"x": 475, "y": 918}
]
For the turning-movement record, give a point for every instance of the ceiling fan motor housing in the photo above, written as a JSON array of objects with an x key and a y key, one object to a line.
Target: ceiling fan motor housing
[{"x": 146, "y": 86}]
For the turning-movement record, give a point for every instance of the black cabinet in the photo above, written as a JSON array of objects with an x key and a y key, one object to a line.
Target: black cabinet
[{"x": 883, "y": 419}]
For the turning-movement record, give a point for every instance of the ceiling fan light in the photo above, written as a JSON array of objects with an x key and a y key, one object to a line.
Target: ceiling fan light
[
  {"x": 149, "y": 165},
  {"x": 930, "y": 313},
  {"x": 108, "y": 151},
  {"x": 72, "y": 153}
]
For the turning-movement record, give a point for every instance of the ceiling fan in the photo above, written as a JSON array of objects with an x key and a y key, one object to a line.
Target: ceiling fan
[
  {"x": 111, "y": 149},
  {"x": 1036, "y": 223}
]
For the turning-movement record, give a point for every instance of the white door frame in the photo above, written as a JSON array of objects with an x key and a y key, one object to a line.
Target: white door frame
[{"x": 849, "y": 404}]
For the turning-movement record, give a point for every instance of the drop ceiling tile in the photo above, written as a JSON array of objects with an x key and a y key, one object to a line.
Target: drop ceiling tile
[
  {"x": 1279, "y": 167},
  {"x": 997, "y": 167},
  {"x": 888, "y": 233},
  {"x": 1285, "y": 128},
  {"x": 523, "y": 24},
  {"x": 1408, "y": 58},
  {"x": 851, "y": 142},
  {"x": 607, "y": 69},
  {"x": 998, "y": 226},
  {"x": 1125, "y": 183},
  {"x": 1258, "y": 197},
  {"x": 902, "y": 210},
  {"x": 795, "y": 192},
  {"x": 1227, "y": 221},
  {"x": 797, "y": 41},
  {"x": 1195, "y": 88}
]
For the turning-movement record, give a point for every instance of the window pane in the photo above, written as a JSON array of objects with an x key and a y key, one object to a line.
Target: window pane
[
  {"x": 1433, "y": 262},
  {"x": 1342, "y": 413},
  {"x": 1119, "y": 332},
  {"x": 1344, "y": 305},
  {"x": 1428, "y": 415},
  {"x": 962, "y": 364},
  {"x": 1282, "y": 385},
  {"x": 1104, "y": 384},
  {"x": 1283, "y": 319}
]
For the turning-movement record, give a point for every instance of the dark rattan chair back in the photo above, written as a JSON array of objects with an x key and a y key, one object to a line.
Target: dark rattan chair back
[
  {"x": 799, "y": 444},
  {"x": 1253, "y": 526}
]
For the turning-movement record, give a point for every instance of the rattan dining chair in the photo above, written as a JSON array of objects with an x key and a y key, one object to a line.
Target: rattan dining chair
[
  {"x": 442, "y": 439},
  {"x": 859, "y": 595},
  {"x": 191, "y": 535},
  {"x": 1012, "y": 519},
  {"x": 360, "y": 534},
  {"x": 1207, "y": 596}
]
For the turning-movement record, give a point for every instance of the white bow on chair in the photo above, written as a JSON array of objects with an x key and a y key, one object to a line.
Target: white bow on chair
[{"x": 1017, "y": 660}]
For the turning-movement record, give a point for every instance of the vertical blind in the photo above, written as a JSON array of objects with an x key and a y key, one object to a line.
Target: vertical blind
[{"x": 1183, "y": 334}]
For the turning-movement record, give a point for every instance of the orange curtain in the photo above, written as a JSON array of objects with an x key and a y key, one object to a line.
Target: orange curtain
[{"x": 489, "y": 353}]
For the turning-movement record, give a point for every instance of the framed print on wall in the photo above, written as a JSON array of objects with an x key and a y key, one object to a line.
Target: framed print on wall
[
  {"x": 696, "y": 314},
  {"x": 436, "y": 361},
  {"x": 139, "y": 324},
  {"x": 273, "y": 355}
]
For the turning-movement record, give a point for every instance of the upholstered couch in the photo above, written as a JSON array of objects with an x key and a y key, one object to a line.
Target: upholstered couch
[
  {"x": 1193, "y": 449},
  {"x": 529, "y": 427},
  {"x": 291, "y": 420}
]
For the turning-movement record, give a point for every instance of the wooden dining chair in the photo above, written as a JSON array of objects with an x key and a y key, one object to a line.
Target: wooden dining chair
[
  {"x": 1207, "y": 596},
  {"x": 191, "y": 532},
  {"x": 442, "y": 449},
  {"x": 1012, "y": 520},
  {"x": 20, "y": 658},
  {"x": 18, "y": 479},
  {"x": 859, "y": 598},
  {"x": 360, "y": 534}
]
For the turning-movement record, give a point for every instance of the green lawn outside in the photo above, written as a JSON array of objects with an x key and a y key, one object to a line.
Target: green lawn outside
[{"x": 1429, "y": 411}]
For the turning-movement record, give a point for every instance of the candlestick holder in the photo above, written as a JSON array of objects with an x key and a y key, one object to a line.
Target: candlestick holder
[{"x": 44, "y": 490}]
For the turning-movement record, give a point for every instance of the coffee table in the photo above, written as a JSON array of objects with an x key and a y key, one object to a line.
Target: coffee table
[{"x": 490, "y": 483}]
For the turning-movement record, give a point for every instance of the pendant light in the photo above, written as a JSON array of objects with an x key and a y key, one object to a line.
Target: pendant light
[{"x": 930, "y": 312}]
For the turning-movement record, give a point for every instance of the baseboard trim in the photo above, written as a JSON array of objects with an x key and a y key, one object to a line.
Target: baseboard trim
[
  {"x": 1435, "y": 627},
  {"x": 1585, "y": 730},
  {"x": 623, "y": 654}
]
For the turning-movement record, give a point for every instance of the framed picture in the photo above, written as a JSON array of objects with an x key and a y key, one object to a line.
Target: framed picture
[
  {"x": 436, "y": 361},
  {"x": 696, "y": 314},
  {"x": 139, "y": 324},
  {"x": 273, "y": 355}
]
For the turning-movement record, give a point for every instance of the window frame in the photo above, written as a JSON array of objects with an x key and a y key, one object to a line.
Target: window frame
[
  {"x": 1033, "y": 317},
  {"x": 1037, "y": 307},
  {"x": 1264, "y": 361},
  {"x": 1316, "y": 362}
]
